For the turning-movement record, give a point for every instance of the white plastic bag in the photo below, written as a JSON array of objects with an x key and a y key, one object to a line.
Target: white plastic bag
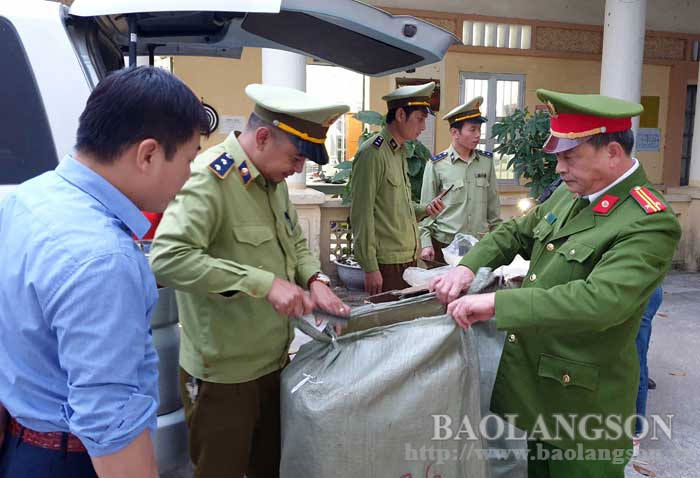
[
  {"x": 417, "y": 277},
  {"x": 459, "y": 246}
]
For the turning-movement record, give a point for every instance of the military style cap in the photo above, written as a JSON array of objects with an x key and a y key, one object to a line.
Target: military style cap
[
  {"x": 575, "y": 118},
  {"x": 468, "y": 112},
  {"x": 416, "y": 95},
  {"x": 305, "y": 117}
]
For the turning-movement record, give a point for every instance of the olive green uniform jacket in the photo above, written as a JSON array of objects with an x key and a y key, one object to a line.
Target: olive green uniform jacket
[
  {"x": 570, "y": 347},
  {"x": 383, "y": 217},
  {"x": 235, "y": 233},
  {"x": 471, "y": 207}
]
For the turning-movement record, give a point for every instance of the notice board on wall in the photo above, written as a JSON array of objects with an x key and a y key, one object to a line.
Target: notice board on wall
[{"x": 650, "y": 117}]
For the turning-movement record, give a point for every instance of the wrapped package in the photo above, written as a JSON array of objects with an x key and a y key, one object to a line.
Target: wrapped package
[
  {"x": 460, "y": 245},
  {"x": 419, "y": 277}
]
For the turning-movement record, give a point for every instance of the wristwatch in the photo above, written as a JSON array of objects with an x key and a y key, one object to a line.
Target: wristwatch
[{"x": 321, "y": 277}]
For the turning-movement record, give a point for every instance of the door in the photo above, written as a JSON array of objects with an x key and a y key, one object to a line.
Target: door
[{"x": 347, "y": 33}]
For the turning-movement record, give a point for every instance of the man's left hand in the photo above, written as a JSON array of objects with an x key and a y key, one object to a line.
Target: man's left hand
[
  {"x": 472, "y": 308},
  {"x": 326, "y": 300},
  {"x": 435, "y": 207}
]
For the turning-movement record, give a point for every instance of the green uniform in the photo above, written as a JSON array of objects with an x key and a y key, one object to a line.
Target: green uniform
[
  {"x": 235, "y": 233},
  {"x": 471, "y": 207},
  {"x": 383, "y": 217},
  {"x": 570, "y": 347}
]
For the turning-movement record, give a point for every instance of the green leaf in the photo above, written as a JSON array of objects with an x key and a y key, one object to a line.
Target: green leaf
[
  {"x": 410, "y": 148},
  {"x": 421, "y": 151},
  {"x": 521, "y": 135},
  {"x": 341, "y": 175},
  {"x": 370, "y": 117},
  {"x": 415, "y": 166}
]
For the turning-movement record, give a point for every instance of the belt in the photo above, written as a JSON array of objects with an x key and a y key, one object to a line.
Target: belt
[{"x": 49, "y": 440}]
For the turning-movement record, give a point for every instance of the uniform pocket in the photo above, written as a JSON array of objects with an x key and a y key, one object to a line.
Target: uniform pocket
[
  {"x": 253, "y": 235},
  {"x": 569, "y": 373},
  {"x": 542, "y": 230},
  {"x": 482, "y": 182},
  {"x": 457, "y": 194},
  {"x": 576, "y": 251},
  {"x": 394, "y": 180}
]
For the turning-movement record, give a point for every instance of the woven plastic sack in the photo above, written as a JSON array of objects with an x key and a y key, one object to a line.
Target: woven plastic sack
[{"x": 363, "y": 404}]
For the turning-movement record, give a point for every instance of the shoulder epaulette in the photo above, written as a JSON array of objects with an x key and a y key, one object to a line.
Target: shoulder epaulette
[
  {"x": 485, "y": 153},
  {"x": 646, "y": 199},
  {"x": 378, "y": 141},
  {"x": 438, "y": 157},
  {"x": 221, "y": 166},
  {"x": 245, "y": 173}
]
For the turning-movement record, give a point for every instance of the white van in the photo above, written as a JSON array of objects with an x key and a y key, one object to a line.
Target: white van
[{"x": 51, "y": 56}]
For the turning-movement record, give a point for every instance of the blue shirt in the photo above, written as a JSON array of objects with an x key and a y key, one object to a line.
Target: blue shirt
[{"x": 76, "y": 296}]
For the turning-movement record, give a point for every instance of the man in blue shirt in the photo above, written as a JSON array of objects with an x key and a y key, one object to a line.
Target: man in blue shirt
[{"x": 78, "y": 376}]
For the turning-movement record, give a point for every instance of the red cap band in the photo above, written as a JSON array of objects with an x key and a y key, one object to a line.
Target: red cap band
[{"x": 572, "y": 126}]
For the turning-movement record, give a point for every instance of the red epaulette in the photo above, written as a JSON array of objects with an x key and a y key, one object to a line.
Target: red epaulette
[{"x": 647, "y": 200}]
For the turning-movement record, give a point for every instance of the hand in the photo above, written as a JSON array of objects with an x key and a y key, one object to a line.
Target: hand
[
  {"x": 449, "y": 286},
  {"x": 373, "y": 282},
  {"x": 289, "y": 299},
  {"x": 427, "y": 254},
  {"x": 472, "y": 308},
  {"x": 435, "y": 207},
  {"x": 326, "y": 300}
]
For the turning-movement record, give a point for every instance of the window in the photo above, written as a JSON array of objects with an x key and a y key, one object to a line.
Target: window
[
  {"x": 496, "y": 35},
  {"x": 503, "y": 94},
  {"x": 337, "y": 84},
  {"x": 26, "y": 144}
]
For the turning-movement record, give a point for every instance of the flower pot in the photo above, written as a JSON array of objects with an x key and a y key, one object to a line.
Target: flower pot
[{"x": 351, "y": 275}]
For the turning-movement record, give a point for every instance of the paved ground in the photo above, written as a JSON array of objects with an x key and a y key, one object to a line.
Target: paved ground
[{"x": 674, "y": 363}]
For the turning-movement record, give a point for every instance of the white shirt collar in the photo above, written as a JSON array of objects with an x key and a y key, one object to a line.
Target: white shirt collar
[{"x": 594, "y": 197}]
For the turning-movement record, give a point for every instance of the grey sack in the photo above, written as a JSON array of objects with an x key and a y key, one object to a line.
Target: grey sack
[{"x": 369, "y": 404}]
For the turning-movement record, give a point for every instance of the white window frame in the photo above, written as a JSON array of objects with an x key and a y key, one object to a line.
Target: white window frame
[{"x": 492, "y": 79}]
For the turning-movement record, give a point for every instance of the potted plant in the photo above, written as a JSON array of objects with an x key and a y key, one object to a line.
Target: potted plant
[
  {"x": 349, "y": 271},
  {"x": 521, "y": 136}
]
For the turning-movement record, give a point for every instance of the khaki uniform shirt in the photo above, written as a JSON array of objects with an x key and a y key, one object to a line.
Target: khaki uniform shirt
[
  {"x": 383, "y": 217},
  {"x": 572, "y": 326},
  {"x": 471, "y": 207},
  {"x": 232, "y": 234}
]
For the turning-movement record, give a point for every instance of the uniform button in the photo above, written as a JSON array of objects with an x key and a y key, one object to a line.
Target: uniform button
[
  {"x": 572, "y": 252},
  {"x": 512, "y": 339},
  {"x": 533, "y": 277},
  {"x": 566, "y": 379},
  {"x": 244, "y": 170},
  {"x": 550, "y": 247}
]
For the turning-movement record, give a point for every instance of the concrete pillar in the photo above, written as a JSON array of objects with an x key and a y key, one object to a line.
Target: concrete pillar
[
  {"x": 283, "y": 68},
  {"x": 623, "y": 50},
  {"x": 694, "y": 173}
]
